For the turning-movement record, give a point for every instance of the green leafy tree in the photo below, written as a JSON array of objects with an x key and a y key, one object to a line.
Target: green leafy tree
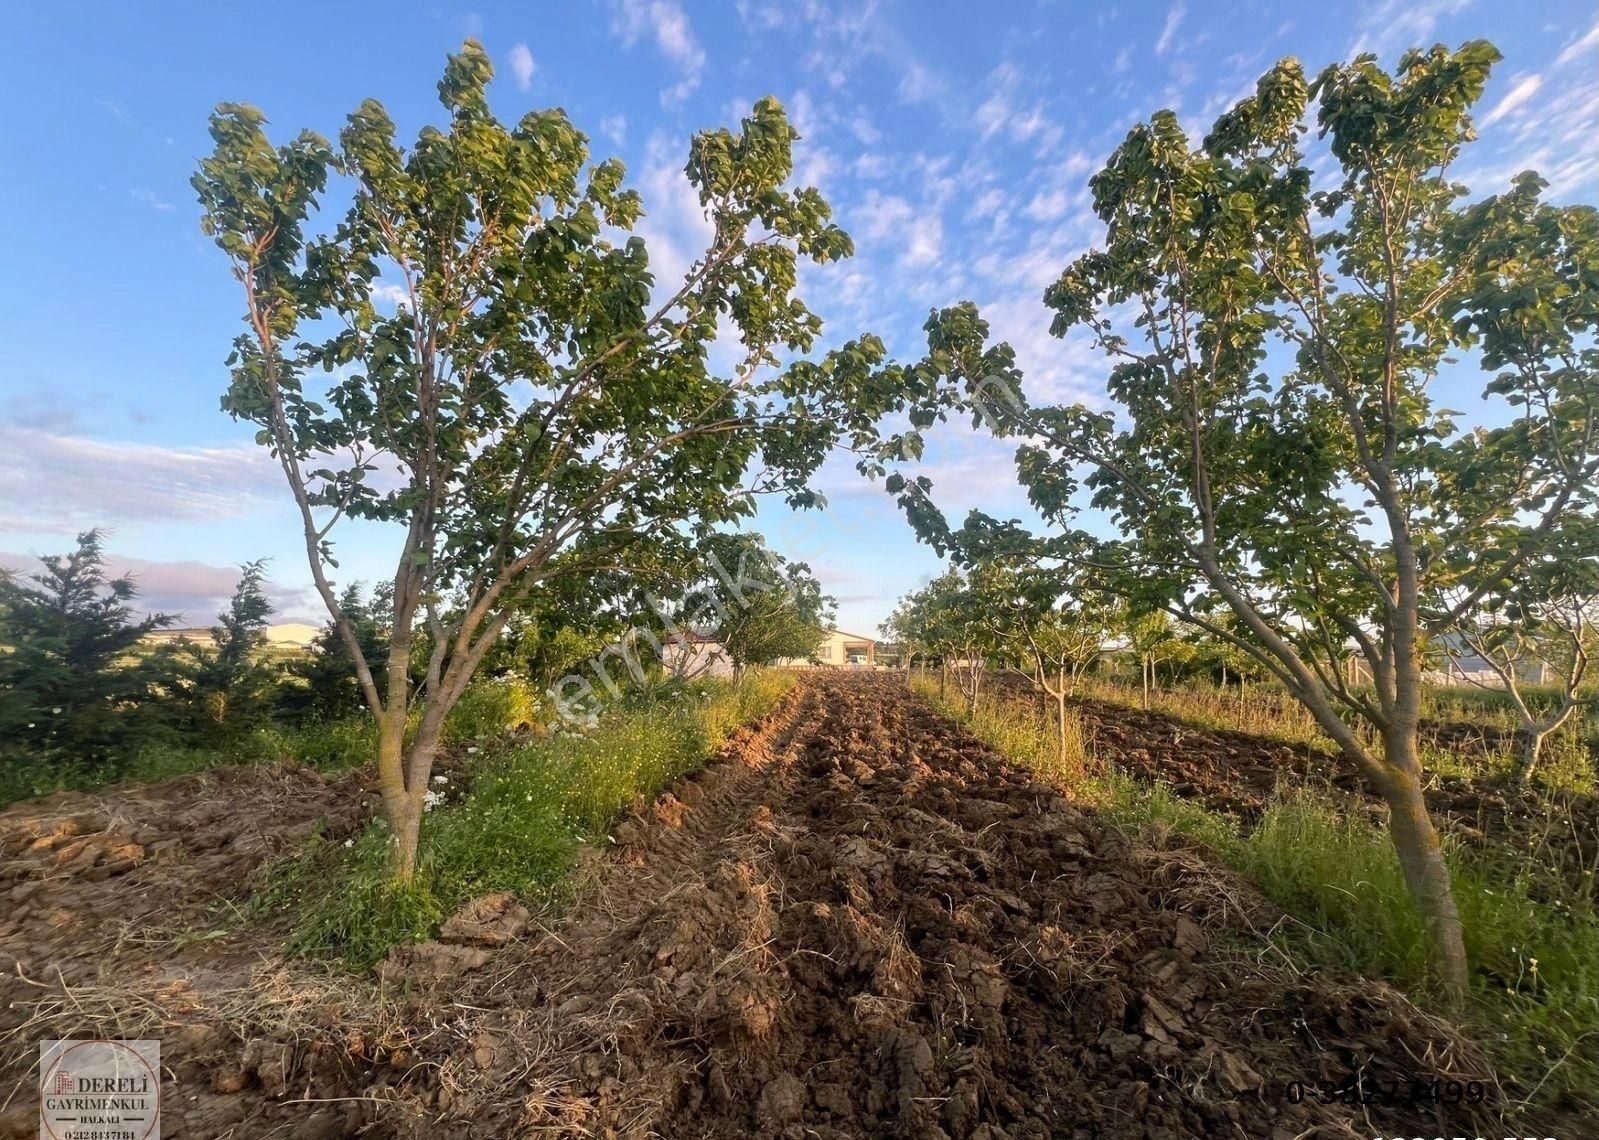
[
  {"x": 1276, "y": 448},
  {"x": 74, "y": 683},
  {"x": 538, "y": 402},
  {"x": 773, "y": 608}
]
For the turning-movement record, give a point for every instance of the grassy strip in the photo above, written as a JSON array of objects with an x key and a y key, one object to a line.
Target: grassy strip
[
  {"x": 529, "y": 810},
  {"x": 1534, "y": 948},
  {"x": 1269, "y": 713}
]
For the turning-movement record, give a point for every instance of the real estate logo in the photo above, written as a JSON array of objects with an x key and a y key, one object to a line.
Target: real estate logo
[{"x": 99, "y": 1090}]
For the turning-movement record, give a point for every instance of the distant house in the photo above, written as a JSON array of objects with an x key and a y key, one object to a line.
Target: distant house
[
  {"x": 289, "y": 635},
  {"x": 295, "y": 634},
  {"x": 690, "y": 654},
  {"x": 841, "y": 650}
]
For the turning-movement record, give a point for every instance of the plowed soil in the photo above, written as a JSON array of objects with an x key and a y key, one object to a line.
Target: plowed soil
[
  {"x": 1240, "y": 773},
  {"x": 858, "y": 922}
]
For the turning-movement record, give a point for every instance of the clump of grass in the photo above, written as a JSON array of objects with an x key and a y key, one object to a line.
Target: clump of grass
[
  {"x": 530, "y": 809},
  {"x": 1026, "y": 739},
  {"x": 1256, "y": 710}
]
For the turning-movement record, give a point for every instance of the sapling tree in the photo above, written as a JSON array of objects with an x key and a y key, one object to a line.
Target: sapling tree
[
  {"x": 1275, "y": 445},
  {"x": 536, "y": 402},
  {"x": 227, "y": 680},
  {"x": 1538, "y": 640},
  {"x": 1153, "y": 639}
]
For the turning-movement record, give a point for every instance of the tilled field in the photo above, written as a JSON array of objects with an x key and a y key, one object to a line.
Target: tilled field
[{"x": 859, "y": 922}]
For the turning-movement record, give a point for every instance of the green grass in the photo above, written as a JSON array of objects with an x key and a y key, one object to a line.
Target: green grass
[
  {"x": 1533, "y": 944},
  {"x": 530, "y": 808}
]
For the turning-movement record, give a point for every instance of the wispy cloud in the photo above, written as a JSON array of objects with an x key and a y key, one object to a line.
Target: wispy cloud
[
  {"x": 1168, "y": 32},
  {"x": 151, "y": 198},
  {"x": 614, "y": 127},
  {"x": 1393, "y": 25},
  {"x": 522, "y": 66},
  {"x": 666, "y": 24},
  {"x": 1523, "y": 88},
  {"x": 1588, "y": 42},
  {"x": 53, "y": 481}
]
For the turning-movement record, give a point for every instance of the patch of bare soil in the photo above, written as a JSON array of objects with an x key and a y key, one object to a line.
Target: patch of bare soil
[
  {"x": 1239, "y": 773},
  {"x": 859, "y": 922},
  {"x": 115, "y": 917}
]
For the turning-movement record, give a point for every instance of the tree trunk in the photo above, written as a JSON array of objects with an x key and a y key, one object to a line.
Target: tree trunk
[
  {"x": 1421, "y": 859},
  {"x": 1060, "y": 726},
  {"x": 407, "y": 840},
  {"x": 391, "y": 789},
  {"x": 1529, "y": 750}
]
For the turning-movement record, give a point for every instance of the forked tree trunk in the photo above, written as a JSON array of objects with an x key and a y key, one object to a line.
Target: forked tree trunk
[
  {"x": 1529, "y": 751},
  {"x": 1533, "y": 735}
]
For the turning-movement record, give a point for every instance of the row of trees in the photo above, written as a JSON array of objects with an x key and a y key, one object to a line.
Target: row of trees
[
  {"x": 540, "y": 410},
  {"x": 84, "y": 684},
  {"x": 1275, "y": 454},
  {"x": 78, "y": 683}
]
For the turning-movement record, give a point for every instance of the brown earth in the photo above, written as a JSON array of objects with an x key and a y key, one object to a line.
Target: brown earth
[
  {"x": 859, "y": 922},
  {"x": 1240, "y": 773}
]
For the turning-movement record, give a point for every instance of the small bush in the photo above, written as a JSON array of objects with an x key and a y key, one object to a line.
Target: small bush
[{"x": 489, "y": 707}]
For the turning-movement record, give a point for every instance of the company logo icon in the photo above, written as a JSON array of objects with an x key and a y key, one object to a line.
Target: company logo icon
[{"x": 99, "y": 1090}]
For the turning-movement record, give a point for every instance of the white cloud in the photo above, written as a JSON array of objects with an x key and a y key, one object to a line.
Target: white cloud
[
  {"x": 892, "y": 221},
  {"x": 614, "y": 127},
  {"x": 1524, "y": 88},
  {"x": 151, "y": 199},
  {"x": 674, "y": 227},
  {"x": 666, "y": 24},
  {"x": 1046, "y": 207},
  {"x": 522, "y": 66},
  {"x": 926, "y": 241},
  {"x": 387, "y": 293},
  {"x": 863, "y": 130},
  {"x": 1588, "y": 42},
  {"x": 871, "y": 166},
  {"x": 918, "y": 84},
  {"x": 1167, "y": 33},
  {"x": 1392, "y": 25},
  {"x": 52, "y": 480}
]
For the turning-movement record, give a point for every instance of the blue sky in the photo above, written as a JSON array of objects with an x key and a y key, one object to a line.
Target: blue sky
[{"x": 954, "y": 141}]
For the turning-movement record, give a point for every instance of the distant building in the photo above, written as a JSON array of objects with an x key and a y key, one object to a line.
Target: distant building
[
  {"x": 841, "y": 650},
  {"x": 289, "y": 635}
]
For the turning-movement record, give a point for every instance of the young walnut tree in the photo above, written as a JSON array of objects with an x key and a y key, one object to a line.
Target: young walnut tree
[
  {"x": 1275, "y": 448},
  {"x": 536, "y": 402}
]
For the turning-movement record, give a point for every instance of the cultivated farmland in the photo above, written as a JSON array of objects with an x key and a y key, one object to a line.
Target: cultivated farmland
[{"x": 1228, "y": 761}]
